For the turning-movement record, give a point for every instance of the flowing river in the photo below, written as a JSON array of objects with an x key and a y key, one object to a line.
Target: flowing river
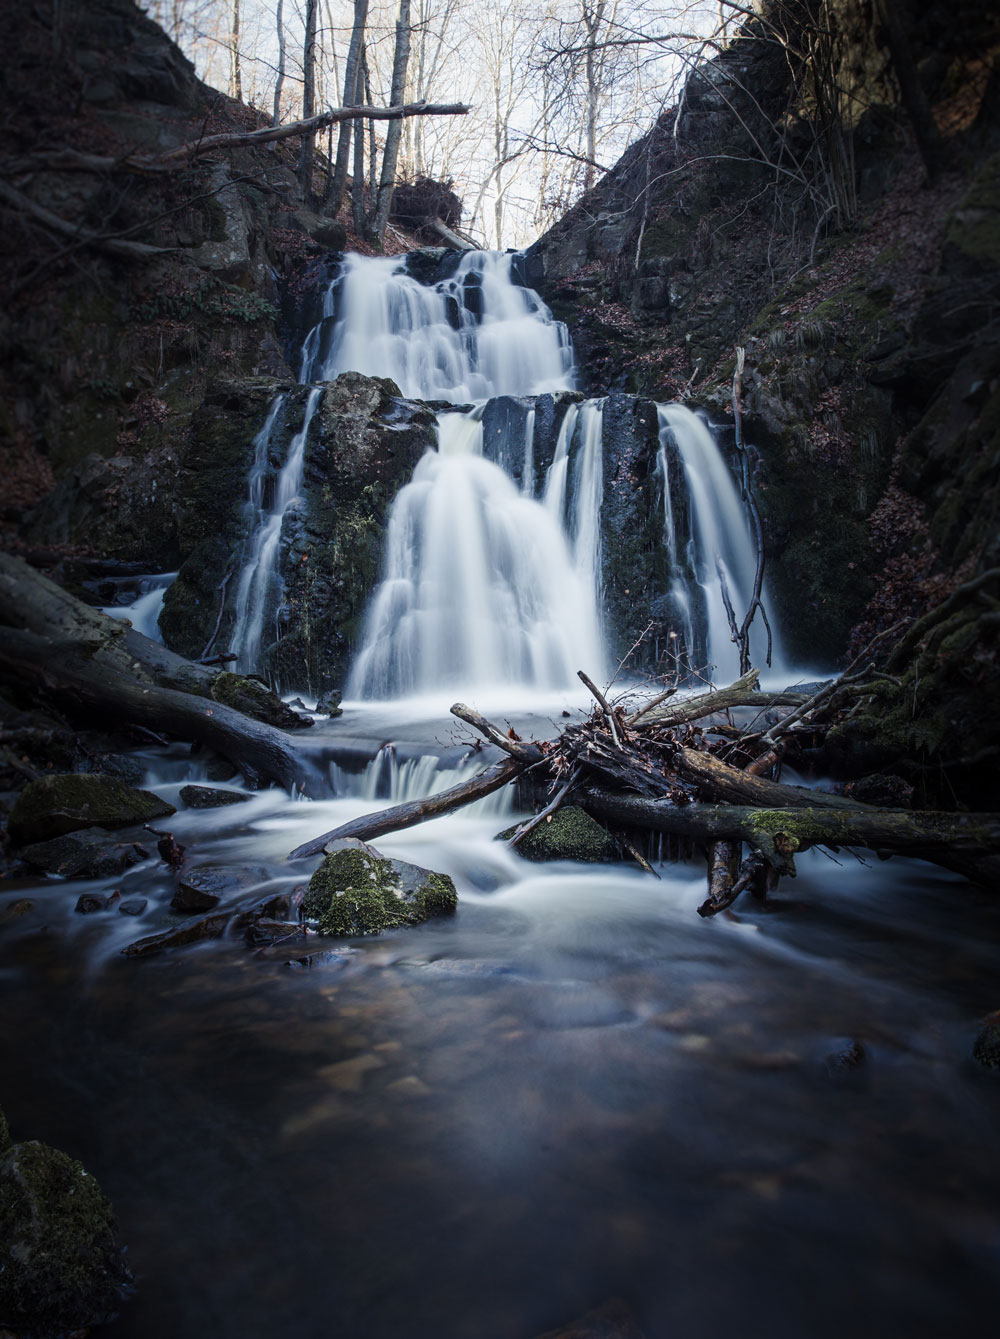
[{"x": 573, "y": 1090}]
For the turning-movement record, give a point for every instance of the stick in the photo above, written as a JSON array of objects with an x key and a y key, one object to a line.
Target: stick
[
  {"x": 549, "y": 809},
  {"x": 602, "y": 702},
  {"x": 527, "y": 754}
]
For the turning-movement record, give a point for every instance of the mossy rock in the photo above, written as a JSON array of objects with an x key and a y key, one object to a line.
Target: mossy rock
[
  {"x": 4, "y": 1134},
  {"x": 357, "y": 891},
  {"x": 570, "y": 834},
  {"x": 254, "y": 699},
  {"x": 55, "y": 805},
  {"x": 61, "y": 1268}
]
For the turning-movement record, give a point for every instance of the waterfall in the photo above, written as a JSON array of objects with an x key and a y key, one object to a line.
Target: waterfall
[
  {"x": 722, "y": 544},
  {"x": 493, "y": 566},
  {"x": 255, "y": 596},
  {"x": 470, "y": 337},
  {"x": 480, "y": 588}
]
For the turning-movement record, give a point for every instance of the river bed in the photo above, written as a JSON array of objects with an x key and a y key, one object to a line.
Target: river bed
[{"x": 574, "y": 1089}]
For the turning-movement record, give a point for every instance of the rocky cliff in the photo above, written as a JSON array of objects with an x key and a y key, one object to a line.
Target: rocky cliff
[{"x": 855, "y": 254}]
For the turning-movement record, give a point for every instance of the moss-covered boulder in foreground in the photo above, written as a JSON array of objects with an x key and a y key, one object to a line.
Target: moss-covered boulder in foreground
[
  {"x": 61, "y": 1268},
  {"x": 55, "y": 805},
  {"x": 357, "y": 891},
  {"x": 570, "y": 834}
]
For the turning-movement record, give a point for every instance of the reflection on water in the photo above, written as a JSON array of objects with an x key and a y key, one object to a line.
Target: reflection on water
[{"x": 574, "y": 1089}]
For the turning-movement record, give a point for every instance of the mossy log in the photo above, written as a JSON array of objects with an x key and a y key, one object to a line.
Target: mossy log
[{"x": 966, "y": 843}]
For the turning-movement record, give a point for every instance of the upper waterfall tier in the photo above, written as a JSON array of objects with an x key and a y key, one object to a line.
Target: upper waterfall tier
[{"x": 472, "y": 336}]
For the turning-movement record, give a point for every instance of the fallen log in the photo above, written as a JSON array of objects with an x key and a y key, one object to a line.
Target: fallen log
[
  {"x": 84, "y": 687},
  {"x": 87, "y": 662},
  {"x": 408, "y": 815},
  {"x": 969, "y": 844},
  {"x": 734, "y": 785},
  {"x": 742, "y": 693}
]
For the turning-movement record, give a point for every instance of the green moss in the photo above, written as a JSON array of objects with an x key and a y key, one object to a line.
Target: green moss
[
  {"x": 571, "y": 834},
  {"x": 253, "y": 699},
  {"x": 5, "y": 1140},
  {"x": 357, "y": 891},
  {"x": 55, "y": 805},
  {"x": 60, "y": 1265}
]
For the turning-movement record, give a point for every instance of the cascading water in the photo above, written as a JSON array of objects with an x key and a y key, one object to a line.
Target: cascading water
[
  {"x": 485, "y": 583},
  {"x": 470, "y": 337},
  {"x": 481, "y": 585},
  {"x": 722, "y": 546},
  {"x": 260, "y": 569}
]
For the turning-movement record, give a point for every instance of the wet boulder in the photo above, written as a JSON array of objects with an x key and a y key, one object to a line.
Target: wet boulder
[
  {"x": 85, "y": 854},
  {"x": 204, "y": 888},
  {"x": 570, "y": 834},
  {"x": 255, "y": 699},
  {"x": 61, "y": 1267},
  {"x": 357, "y": 891},
  {"x": 55, "y": 805},
  {"x": 211, "y": 797}
]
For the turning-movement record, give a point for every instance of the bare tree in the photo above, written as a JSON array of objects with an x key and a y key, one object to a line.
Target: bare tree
[
  {"x": 306, "y": 154},
  {"x": 352, "y": 68},
  {"x": 235, "y": 81},
  {"x": 280, "y": 77},
  {"x": 390, "y": 153}
]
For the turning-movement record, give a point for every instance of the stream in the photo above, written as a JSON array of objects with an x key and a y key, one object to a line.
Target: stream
[{"x": 575, "y": 1089}]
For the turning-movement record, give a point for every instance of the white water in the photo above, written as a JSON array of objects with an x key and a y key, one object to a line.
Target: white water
[
  {"x": 481, "y": 589},
  {"x": 144, "y": 613},
  {"x": 430, "y": 342},
  {"x": 255, "y": 594},
  {"x": 721, "y": 540}
]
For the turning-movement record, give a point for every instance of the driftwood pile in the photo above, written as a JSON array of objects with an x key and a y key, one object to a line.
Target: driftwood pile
[{"x": 705, "y": 768}]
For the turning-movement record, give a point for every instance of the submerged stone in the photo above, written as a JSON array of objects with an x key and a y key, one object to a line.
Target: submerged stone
[
  {"x": 86, "y": 854},
  {"x": 210, "y": 797},
  {"x": 570, "y": 834},
  {"x": 204, "y": 888},
  {"x": 55, "y": 805},
  {"x": 61, "y": 1268},
  {"x": 357, "y": 891}
]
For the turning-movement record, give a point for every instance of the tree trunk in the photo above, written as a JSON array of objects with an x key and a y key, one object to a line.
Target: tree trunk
[
  {"x": 235, "y": 79},
  {"x": 280, "y": 79},
  {"x": 338, "y": 182},
  {"x": 308, "y": 98},
  {"x": 966, "y": 843},
  {"x": 390, "y": 154}
]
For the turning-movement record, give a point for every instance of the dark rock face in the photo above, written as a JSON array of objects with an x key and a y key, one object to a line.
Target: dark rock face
[
  {"x": 363, "y": 446},
  {"x": 635, "y": 570},
  {"x": 61, "y": 1268},
  {"x": 56, "y": 805},
  {"x": 214, "y": 525}
]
